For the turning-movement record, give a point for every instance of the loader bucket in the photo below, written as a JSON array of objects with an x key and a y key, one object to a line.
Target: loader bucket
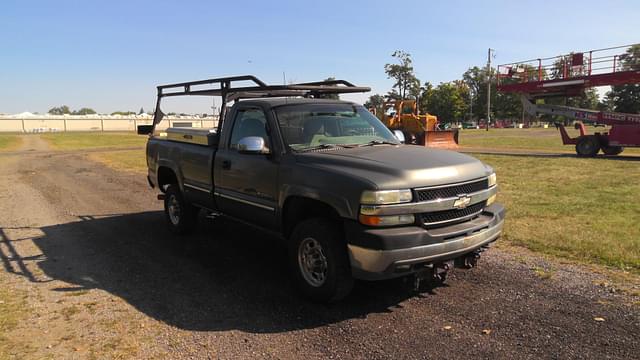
[{"x": 444, "y": 139}]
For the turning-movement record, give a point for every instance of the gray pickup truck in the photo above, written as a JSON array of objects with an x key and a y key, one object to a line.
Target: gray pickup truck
[{"x": 348, "y": 199}]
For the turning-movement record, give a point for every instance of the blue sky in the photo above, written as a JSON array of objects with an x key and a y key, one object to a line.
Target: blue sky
[{"x": 110, "y": 55}]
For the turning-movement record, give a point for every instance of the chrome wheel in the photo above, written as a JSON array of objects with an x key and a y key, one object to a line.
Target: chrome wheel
[
  {"x": 312, "y": 262},
  {"x": 174, "y": 210}
]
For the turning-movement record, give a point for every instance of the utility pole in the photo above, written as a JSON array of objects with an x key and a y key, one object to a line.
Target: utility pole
[{"x": 489, "y": 87}]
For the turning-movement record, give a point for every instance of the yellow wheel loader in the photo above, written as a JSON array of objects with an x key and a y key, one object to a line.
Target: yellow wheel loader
[{"x": 418, "y": 129}]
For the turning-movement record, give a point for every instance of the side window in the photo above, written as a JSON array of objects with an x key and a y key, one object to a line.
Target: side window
[{"x": 248, "y": 122}]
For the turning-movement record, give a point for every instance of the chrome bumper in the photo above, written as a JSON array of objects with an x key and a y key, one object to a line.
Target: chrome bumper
[{"x": 379, "y": 264}]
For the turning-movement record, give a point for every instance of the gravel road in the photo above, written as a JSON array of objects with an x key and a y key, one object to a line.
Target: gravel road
[{"x": 86, "y": 249}]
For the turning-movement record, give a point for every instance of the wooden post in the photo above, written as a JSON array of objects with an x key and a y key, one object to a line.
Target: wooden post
[{"x": 102, "y": 123}]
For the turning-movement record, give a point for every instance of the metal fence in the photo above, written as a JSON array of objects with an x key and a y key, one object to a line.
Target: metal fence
[{"x": 35, "y": 124}]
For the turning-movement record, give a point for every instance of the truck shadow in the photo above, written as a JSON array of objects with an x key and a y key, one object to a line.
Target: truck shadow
[{"x": 226, "y": 276}]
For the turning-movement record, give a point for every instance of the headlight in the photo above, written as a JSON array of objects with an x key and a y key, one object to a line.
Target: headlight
[
  {"x": 387, "y": 220},
  {"x": 385, "y": 197},
  {"x": 492, "y": 180}
]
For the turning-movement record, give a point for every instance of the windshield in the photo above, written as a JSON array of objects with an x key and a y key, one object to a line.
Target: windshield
[{"x": 310, "y": 126}]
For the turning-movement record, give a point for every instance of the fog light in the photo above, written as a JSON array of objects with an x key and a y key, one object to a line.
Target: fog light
[{"x": 491, "y": 199}]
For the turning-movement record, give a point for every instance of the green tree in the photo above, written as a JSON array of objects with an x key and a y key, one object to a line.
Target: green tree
[
  {"x": 83, "y": 111},
  {"x": 476, "y": 79},
  {"x": 447, "y": 102},
  {"x": 125, "y": 113},
  {"x": 60, "y": 110},
  {"x": 426, "y": 97},
  {"x": 626, "y": 98},
  {"x": 406, "y": 82},
  {"x": 375, "y": 101}
]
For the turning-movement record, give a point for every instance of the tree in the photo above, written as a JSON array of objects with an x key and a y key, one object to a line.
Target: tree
[
  {"x": 426, "y": 96},
  {"x": 60, "y": 110},
  {"x": 376, "y": 101},
  {"x": 329, "y": 96},
  {"x": 83, "y": 111},
  {"x": 626, "y": 98},
  {"x": 476, "y": 79},
  {"x": 447, "y": 102},
  {"x": 406, "y": 82}
]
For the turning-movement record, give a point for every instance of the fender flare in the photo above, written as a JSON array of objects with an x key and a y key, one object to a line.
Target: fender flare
[
  {"x": 338, "y": 203},
  {"x": 176, "y": 170}
]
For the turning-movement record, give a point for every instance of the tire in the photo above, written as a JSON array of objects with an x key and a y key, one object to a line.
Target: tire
[
  {"x": 181, "y": 216},
  {"x": 319, "y": 242},
  {"x": 612, "y": 150},
  {"x": 588, "y": 146}
]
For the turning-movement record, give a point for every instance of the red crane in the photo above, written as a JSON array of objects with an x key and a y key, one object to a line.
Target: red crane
[{"x": 569, "y": 75}]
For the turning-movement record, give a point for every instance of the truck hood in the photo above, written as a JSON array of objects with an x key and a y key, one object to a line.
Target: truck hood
[{"x": 398, "y": 167}]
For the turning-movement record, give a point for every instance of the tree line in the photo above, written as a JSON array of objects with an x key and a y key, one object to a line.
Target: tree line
[
  {"x": 65, "y": 110},
  {"x": 465, "y": 99}
]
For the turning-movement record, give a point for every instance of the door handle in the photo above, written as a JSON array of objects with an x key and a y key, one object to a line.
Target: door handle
[{"x": 226, "y": 164}]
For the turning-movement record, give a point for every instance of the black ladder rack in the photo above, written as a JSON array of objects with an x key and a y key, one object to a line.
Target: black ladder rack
[{"x": 224, "y": 88}]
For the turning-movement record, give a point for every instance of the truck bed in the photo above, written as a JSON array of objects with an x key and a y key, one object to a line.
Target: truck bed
[
  {"x": 189, "y": 153},
  {"x": 205, "y": 136}
]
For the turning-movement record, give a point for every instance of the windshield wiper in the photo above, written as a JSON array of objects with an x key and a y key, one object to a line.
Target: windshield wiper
[
  {"x": 326, "y": 146},
  {"x": 378, "y": 142}
]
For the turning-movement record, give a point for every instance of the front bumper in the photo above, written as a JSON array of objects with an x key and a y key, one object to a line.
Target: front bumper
[{"x": 377, "y": 254}]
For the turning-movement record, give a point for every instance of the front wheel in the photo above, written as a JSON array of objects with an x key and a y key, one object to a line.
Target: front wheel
[
  {"x": 319, "y": 260},
  {"x": 588, "y": 146},
  {"x": 181, "y": 216}
]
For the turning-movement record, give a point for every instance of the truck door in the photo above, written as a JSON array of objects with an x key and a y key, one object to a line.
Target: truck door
[{"x": 246, "y": 185}]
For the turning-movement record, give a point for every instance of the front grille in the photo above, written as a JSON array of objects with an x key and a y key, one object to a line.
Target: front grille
[
  {"x": 437, "y": 218},
  {"x": 451, "y": 191}
]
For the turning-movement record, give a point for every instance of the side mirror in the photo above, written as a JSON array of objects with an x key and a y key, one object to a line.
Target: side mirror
[
  {"x": 399, "y": 135},
  {"x": 145, "y": 129},
  {"x": 252, "y": 145}
]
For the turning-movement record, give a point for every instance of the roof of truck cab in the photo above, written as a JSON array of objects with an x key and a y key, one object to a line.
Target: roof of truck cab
[{"x": 274, "y": 102}]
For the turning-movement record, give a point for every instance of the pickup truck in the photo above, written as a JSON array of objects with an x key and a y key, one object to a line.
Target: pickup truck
[{"x": 349, "y": 200}]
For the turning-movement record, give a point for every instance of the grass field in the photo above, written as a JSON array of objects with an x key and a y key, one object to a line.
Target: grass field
[
  {"x": 538, "y": 140},
  {"x": 125, "y": 160},
  {"x": 9, "y": 142},
  {"x": 581, "y": 209},
  {"x": 12, "y": 309},
  {"x": 92, "y": 140}
]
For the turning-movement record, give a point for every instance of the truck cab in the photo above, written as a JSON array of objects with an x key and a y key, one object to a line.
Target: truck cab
[{"x": 348, "y": 199}]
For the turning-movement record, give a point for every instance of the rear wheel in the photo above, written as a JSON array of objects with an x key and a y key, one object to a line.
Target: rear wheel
[
  {"x": 588, "y": 146},
  {"x": 612, "y": 150},
  {"x": 181, "y": 216},
  {"x": 319, "y": 261}
]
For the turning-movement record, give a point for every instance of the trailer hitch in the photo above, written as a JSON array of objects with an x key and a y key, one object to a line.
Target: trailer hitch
[
  {"x": 433, "y": 274},
  {"x": 469, "y": 260}
]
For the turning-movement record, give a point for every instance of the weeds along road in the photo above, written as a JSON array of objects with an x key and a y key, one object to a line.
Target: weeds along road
[{"x": 93, "y": 273}]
